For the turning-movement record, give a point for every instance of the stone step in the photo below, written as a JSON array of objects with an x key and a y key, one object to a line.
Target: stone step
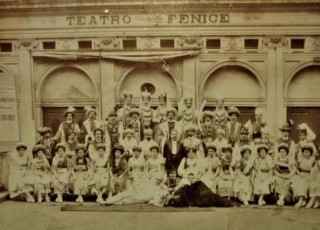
[{"x": 4, "y": 196}]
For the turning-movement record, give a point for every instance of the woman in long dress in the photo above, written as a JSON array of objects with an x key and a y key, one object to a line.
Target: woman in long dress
[
  {"x": 284, "y": 170},
  {"x": 212, "y": 168},
  {"x": 189, "y": 164},
  {"x": 136, "y": 165},
  {"x": 19, "y": 179},
  {"x": 314, "y": 187},
  {"x": 243, "y": 186},
  {"x": 101, "y": 175},
  {"x": 41, "y": 173},
  {"x": 155, "y": 164},
  {"x": 263, "y": 166},
  {"x": 81, "y": 171},
  {"x": 61, "y": 169},
  {"x": 118, "y": 170}
]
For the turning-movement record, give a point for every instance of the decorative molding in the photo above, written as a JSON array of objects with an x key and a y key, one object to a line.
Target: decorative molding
[
  {"x": 232, "y": 44},
  {"x": 190, "y": 41},
  {"x": 275, "y": 41},
  {"x": 148, "y": 43},
  {"x": 316, "y": 44},
  {"x": 27, "y": 44},
  {"x": 106, "y": 43},
  {"x": 67, "y": 44}
]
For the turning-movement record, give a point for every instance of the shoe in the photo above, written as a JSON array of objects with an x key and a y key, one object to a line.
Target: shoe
[
  {"x": 280, "y": 202},
  {"x": 310, "y": 203},
  {"x": 99, "y": 199},
  {"x": 298, "y": 204},
  {"x": 304, "y": 203},
  {"x": 30, "y": 199},
  {"x": 39, "y": 199},
  {"x": 48, "y": 199},
  {"x": 316, "y": 204},
  {"x": 246, "y": 203},
  {"x": 81, "y": 199},
  {"x": 78, "y": 200}
]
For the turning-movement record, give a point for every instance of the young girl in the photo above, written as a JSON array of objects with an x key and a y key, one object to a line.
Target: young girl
[
  {"x": 155, "y": 165},
  {"x": 81, "y": 172},
  {"x": 118, "y": 170},
  {"x": 189, "y": 164},
  {"x": 263, "y": 166},
  {"x": 172, "y": 182},
  {"x": 301, "y": 181},
  {"x": 61, "y": 168},
  {"x": 19, "y": 179},
  {"x": 212, "y": 167},
  {"x": 220, "y": 140},
  {"x": 225, "y": 184},
  {"x": 243, "y": 187},
  {"x": 136, "y": 164},
  {"x": 100, "y": 173},
  {"x": 284, "y": 170},
  {"x": 314, "y": 187},
  {"x": 41, "y": 173},
  {"x": 128, "y": 142}
]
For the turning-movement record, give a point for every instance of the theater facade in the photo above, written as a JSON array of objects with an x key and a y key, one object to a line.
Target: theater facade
[{"x": 88, "y": 53}]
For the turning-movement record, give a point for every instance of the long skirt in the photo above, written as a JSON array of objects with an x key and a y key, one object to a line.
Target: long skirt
[
  {"x": 42, "y": 183},
  {"x": 225, "y": 186},
  {"x": 262, "y": 183},
  {"x": 61, "y": 182},
  {"x": 300, "y": 184},
  {"x": 118, "y": 183},
  {"x": 243, "y": 188},
  {"x": 80, "y": 183},
  {"x": 210, "y": 181},
  {"x": 314, "y": 186},
  {"x": 282, "y": 185},
  {"x": 20, "y": 182},
  {"x": 100, "y": 182}
]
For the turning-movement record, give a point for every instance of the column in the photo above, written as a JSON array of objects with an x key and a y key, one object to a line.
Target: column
[
  {"x": 25, "y": 82},
  {"x": 189, "y": 79},
  {"x": 107, "y": 87}
]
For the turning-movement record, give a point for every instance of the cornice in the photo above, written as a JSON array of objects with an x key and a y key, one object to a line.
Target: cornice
[{"x": 164, "y": 8}]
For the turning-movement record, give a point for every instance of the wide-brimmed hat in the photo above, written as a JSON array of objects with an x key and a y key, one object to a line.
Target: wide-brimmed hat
[
  {"x": 245, "y": 148},
  {"x": 89, "y": 110},
  {"x": 118, "y": 146},
  {"x": 171, "y": 110},
  {"x": 137, "y": 148},
  {"x": 211, "y": 146},
  {"x": 233, "y": 110},
  {"x": 227, "y": 148},
  {"x": 285, "y": 127},
  {"x": 191, "y": 127},
  {"x": 262, "y": 146},
  {"x": 207, "y": 114},
  {"x": 21, "y": 146},
  {"x": 221, "y": 131},
  {"x": 307, "y": 146},
  {"x": 134, "y": 111},
  {"x": 112, "y": 114},
  {"x": 80, "y": 147},
  {"x": 101, "y": 146},
  {"x": 98, "y": 129},
  {"x": 244, "y": 130},
  {"x": 283, "y": 146},
  {"x": 44, "y": 130},
  {"x": 70, "y": 110},
  {"x": 154, "y": 147},
  {"x": 60, "y": 146},
  {"x": 39, "y": 147}
]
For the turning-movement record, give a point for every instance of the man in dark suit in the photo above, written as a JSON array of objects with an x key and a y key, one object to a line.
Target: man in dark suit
[{"x": 173, "y": 152}]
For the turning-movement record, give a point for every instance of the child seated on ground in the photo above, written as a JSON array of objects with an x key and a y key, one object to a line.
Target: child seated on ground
[{"x": 172, "y": 182}]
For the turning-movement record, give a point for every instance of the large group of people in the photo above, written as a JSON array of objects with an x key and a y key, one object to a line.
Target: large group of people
[{"x": 145, "y": 155}]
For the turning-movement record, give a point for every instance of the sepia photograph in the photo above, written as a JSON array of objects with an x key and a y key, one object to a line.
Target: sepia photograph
[{"x": 159, "y": 114}]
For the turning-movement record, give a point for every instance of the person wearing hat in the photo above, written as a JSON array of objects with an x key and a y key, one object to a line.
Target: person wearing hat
[
  {"x": 135, "y": 123},
  {"x": 208, "y": 131},
  {"x": 220, "y": 141},
  {"x": 284, "y": 170},
  {"x": 20, "y": 180},
  {"x": 99, "y": 138},
  {"x": 89, "y": 125},
  {"x": 71, "y": 145},
  {"x": 128, "y": 142},
  {"x": 124, "y": 112},
  {"x": 191, "y": 141},
  {"x": 257, "y": 125},
  {"x": 265, "y": 139},
  {"x": 118, "y": 170},
  {"x": 220, "y": 114},
  {"x": 244, "y": 140},
  {"x": 61, "y": 168},
  {"x": 243, "y": 188},
  {"x": 160, "y": 115},
  {"x": 68, "y": 125},
  {"x": 41, "y": 173},
  {"x": 306, "y": 136},
  {"x": 147, "y": 143},
  {"x": 81, "y": 173},
  {"x": 233, "y": 127},
  {"x": 188, "y": 115},
  {"x": 211, "y": 168},
  {"x": 48, "y": 141},
  {"x": 173, "y": 152},
  {"x": 300, "y": 183},
  {"x": 314, "y": 187},
  {"x": 225, "y": 184},
  {"x": 154, "y": 167},
  {"x": 100, "y": 168},
  {"x": 136, "y": 165},
  {"x": 189, "y": 164},
  {"x": 167, "y": 126},
  {"x": 146, "y": 112},
  {"x": 114, "y": 128},
  {"x": 264, "y": 167},
  {"x": 285, "y": 138}
]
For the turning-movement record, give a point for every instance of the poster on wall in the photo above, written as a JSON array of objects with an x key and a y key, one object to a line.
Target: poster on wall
[{"x": 9, "y": 123}]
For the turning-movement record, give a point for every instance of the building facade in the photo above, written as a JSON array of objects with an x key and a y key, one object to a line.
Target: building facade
[{"x": 82, "y": 53}]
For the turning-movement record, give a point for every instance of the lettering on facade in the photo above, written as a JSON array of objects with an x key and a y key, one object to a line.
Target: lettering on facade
[{"x": 170, "y": 19}]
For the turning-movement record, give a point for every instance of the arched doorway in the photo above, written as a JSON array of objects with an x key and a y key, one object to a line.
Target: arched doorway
[
  {"x": 62, "y": 87},
  {"x": 303, "y": 100},
  {"x": 238, "y": 86}
]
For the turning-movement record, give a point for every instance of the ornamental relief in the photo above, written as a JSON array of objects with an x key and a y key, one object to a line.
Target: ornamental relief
[
  {"x": 190, "y": 42},
  {"x": 106, "y": 43},
  {"x": 67, "y": 44}
]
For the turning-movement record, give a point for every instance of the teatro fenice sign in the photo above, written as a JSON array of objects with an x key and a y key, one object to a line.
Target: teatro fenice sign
[{"x": 159, "y": 19}]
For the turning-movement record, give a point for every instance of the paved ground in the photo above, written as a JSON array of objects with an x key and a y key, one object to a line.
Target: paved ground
[{"x": 21, "y": 215}]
